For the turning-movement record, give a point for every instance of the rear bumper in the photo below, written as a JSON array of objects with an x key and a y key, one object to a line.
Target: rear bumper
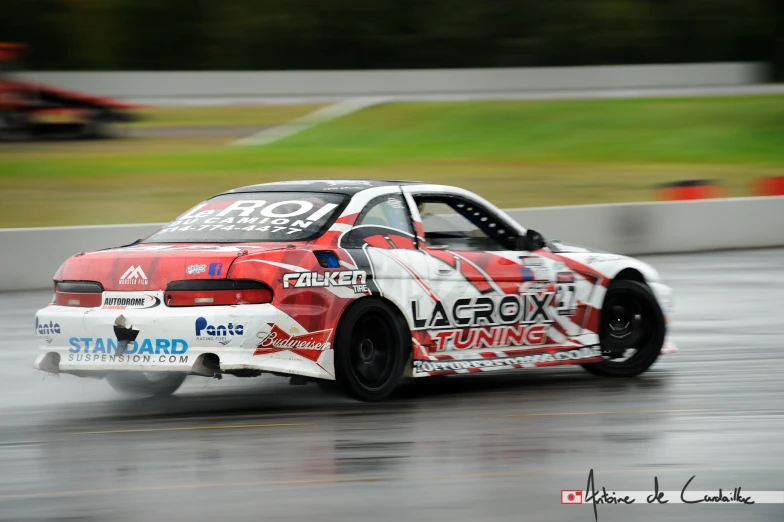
[{"x": 81, "y": 341}]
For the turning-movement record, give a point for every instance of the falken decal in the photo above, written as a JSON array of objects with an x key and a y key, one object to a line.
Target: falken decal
[{"x": 354, "y": 278}]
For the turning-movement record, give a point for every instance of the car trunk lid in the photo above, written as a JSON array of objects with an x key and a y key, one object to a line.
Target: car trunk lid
[{"x": 153, "y": 266}]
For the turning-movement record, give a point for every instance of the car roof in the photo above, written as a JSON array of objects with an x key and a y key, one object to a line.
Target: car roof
[{"x": 334, "y": 186}]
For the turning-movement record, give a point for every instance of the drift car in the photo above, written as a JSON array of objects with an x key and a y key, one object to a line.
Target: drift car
[{"x": 360, "y": 282}]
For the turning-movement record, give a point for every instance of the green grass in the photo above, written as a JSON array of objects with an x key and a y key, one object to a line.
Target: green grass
[{"x": 512, "y": 152}]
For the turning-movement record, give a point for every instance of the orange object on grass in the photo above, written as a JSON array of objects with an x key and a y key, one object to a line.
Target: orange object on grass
[
  {"x": 771, "y": 186},
  {"x": 689, "y": 190}
]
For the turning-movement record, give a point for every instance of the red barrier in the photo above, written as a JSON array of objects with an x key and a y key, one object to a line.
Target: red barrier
[
  {"x": 691, "y": 189},
  {"x": 772, "y": 186}
]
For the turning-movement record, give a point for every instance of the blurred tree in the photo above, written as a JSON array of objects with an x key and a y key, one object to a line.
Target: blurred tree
[{"x": 356, "y": 34}]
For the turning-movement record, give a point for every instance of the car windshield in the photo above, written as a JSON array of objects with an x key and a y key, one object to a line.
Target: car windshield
[{"x": 254, "y": 217}]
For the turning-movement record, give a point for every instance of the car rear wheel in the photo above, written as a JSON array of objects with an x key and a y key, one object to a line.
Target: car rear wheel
[
  {"x": 146, "y": 384},
  {"x": 631, "y": 330},
  {"x": 371, "y": 347}
]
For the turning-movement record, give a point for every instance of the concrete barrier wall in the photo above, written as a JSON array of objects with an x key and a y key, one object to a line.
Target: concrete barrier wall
[
  {"x": 663, "y": 227},
  {"x": 30, "y": 256},
  {"x": 400, "y": 82}
]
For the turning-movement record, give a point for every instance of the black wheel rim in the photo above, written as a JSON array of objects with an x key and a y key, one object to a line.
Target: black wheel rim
[
  {"x": 626, "y": 328},
  {"x": 372, "y": 351}
]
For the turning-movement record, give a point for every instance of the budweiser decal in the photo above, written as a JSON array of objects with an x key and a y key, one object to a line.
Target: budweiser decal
[{"x": 281, "y": 340}]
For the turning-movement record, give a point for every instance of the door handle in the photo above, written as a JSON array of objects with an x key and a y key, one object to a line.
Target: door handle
[{"x": 445, "y": 271}]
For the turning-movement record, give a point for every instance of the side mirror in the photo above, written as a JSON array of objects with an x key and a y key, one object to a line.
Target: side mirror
[{"x": 530, "y": 242}]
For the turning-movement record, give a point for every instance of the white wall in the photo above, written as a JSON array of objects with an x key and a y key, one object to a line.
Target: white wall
[
  {"x": 400, "y": 82},
  {"x": 29, "y": 257}
]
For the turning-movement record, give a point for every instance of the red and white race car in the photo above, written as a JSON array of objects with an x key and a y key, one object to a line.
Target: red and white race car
[{"x": 362, "y": 282}]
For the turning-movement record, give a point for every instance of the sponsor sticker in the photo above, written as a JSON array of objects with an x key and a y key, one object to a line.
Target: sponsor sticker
[
  {"x": 279, "y": 339},
  {"x": 565, "y": 277},
  {"x": 218, "y": 333},
  {"x": 46, "y": 330},
  {"x": 195, "y": 269},
  {"x": 276, "y": 218},
  {"x": 126, "y": 358},
  {"x": 532, "y": 260},
  {"x": 108, "y": 345},
  {"x": 134, "y": 276},
  {"x": 354, "y": 278},
  {"x": 126, "y": 300},
  {"x": 522, "y": 361},
  {"x": 509, "y": 309}
]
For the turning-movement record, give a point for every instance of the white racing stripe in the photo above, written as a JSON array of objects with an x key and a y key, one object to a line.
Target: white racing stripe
[
  {"x": 323, "y": 115},
  {"x": 274, "y": 263}
]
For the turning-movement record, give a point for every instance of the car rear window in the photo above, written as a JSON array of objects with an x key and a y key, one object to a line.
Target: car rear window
[{"x": 254, "y": 217}]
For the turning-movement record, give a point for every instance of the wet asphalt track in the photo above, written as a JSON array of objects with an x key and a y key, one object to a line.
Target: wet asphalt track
[{"x": 495, "y": 448}]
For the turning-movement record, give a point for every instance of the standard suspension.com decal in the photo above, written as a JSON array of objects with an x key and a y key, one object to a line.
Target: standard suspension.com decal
[
  {"x": 521, "y": 361},
  {"x": 103, "y": 350}
]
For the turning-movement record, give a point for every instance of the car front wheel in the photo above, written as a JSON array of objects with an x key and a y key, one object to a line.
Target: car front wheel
[{"x": 631, "y": 330}]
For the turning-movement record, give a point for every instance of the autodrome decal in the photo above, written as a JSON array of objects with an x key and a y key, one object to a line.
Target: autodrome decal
[
  {"x": 424, "y": 368},
  {"x": 122, "y": 301}
]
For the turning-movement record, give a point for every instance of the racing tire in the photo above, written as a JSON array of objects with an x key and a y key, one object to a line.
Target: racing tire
[
  {"x": 372, "y": 345},
  {"x": 631, "y": 318},
  {"x": 141, "y": 384}
]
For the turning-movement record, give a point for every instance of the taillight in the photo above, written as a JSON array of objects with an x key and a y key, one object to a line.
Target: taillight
[
  {"x": 206, "y": 292},
  {"x": 83, "y": 294}
]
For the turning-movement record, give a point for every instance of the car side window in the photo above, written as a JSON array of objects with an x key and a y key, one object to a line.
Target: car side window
[
  {"x": 387, "y": 211},
  {"x": 457, "y": 224},
  {"x": 384, "y": 223}
]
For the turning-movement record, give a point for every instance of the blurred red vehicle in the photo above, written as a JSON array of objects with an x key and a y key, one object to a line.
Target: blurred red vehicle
[{"x": 29, "y": 109}]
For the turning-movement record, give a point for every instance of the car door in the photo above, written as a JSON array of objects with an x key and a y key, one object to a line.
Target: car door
[
  {"x": 488, "y": 296},
  {"x": 383, "y": 243}
]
